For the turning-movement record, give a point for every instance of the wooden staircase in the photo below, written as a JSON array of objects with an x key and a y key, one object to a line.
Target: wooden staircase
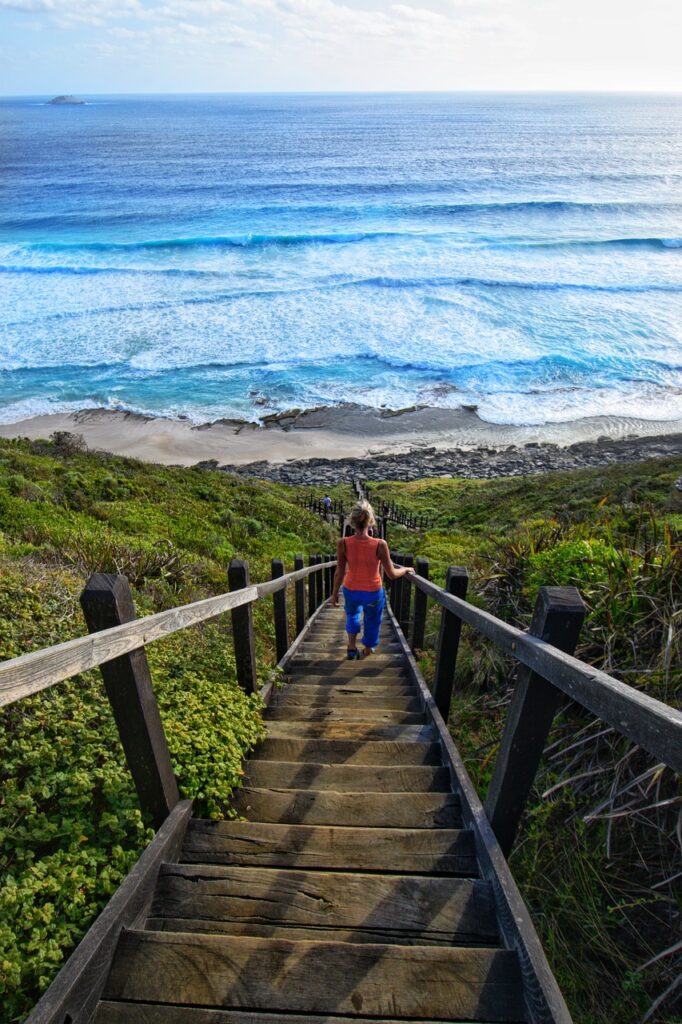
[{"x": 351, "y": 891}]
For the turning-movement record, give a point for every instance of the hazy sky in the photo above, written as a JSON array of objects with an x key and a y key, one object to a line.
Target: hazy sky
[{"x": 99, "y": 46}]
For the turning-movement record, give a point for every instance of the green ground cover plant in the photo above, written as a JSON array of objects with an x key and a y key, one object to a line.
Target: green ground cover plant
[
  {"x": 598, "y": 852},
  {"x": 70, "y": 828}
]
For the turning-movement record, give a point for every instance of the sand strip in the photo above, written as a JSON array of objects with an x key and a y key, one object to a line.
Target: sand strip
[{"x": 338, "y": 433}]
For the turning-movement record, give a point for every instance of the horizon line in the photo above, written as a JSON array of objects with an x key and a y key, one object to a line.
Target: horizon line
[{"x": 363, "y": 92}]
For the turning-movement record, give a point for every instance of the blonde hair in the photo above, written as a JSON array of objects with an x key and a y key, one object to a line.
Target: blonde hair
[{"x": 362, "y": 515}]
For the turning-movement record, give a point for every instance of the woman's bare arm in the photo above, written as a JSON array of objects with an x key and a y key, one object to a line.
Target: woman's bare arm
[
  {"x": 340, "y": 571},
  {"x": 393, "y": 572}
]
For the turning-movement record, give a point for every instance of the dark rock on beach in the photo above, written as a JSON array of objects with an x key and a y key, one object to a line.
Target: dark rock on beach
[{"x": 479, "y": 463}]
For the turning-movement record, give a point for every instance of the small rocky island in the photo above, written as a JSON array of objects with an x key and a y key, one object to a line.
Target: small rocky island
[{"x": 66, "y": 101}]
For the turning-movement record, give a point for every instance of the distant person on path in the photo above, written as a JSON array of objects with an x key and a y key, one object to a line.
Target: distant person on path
[
  {"x": 360, "y": 559},
  {"x": 326, "y": 504}
]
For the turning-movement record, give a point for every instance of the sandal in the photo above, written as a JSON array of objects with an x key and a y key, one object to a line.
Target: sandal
[{"x": 352, "y": 655}]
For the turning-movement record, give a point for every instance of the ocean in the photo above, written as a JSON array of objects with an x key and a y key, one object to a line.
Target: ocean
[{"x": 238, "y": 255}]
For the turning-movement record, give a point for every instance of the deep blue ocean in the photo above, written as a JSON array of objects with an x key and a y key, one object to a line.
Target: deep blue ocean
[{"x": 241, "y": 254}]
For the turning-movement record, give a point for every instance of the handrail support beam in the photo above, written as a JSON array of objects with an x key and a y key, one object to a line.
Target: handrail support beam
[{"x": 557, "y": 619}]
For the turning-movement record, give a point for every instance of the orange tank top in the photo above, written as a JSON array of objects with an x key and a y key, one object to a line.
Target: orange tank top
[{"x": 362, "y": 570}]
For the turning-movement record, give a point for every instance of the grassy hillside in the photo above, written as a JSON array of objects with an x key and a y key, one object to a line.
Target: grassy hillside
[
  {"x": 69, "y": 824},
  {"x": 599, "y": 848}
]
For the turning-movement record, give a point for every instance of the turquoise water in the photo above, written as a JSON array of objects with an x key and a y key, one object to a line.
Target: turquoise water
[{"x": 238, "y": 255}]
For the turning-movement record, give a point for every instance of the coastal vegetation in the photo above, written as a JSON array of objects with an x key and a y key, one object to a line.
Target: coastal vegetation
[
  {"x": 598, "y": 846},
  {"x": 598, "y": 853},
  {"x": 70, "y": 828}
]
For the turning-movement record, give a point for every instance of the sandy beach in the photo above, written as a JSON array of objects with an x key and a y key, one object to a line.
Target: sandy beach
[{"x": 318, "y": 445}]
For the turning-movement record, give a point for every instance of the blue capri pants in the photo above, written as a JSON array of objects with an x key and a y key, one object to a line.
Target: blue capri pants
[{"x": 371, "y": 604}]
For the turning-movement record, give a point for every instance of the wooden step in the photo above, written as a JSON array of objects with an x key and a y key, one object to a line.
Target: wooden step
[
  {"x": 368, "y": 668},
  {"x": 332, "y": 906},
  {"x": 391, "y": 677},
  {"x": 408, "y": 851},
  {"x": 321, "y": 751},
  {"x": 344, "y": 778},
  {"x": 357, "y": 688},
  {"x": 357, "y": 731},
  {"x": 317, "y": 659},
  {"x": 152, "y": 1013},
  {"x": 332, "y": 643},
  {"x": 179, "y": 968},
  {"x": 365, "y": 810},
  {"x": 339, "y": 629},
  {"x": 354, "y": 712},
  {"x": 396, "y": 698}
]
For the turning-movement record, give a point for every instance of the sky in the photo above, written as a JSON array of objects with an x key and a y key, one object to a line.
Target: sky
[{"x": 88, "y": 47}]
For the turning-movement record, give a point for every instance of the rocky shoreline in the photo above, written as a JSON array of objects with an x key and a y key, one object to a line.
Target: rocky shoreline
[{"x": 478, "y": 464}]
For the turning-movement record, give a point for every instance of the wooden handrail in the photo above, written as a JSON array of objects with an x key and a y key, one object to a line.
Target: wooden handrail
[
  {"x": 648, "y": 722},
  {"x": 31, "y": 673}
]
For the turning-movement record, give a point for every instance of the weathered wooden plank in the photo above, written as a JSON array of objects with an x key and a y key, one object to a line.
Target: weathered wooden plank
[
  {"x": 295, "y": 932},
  {"x": 107, "y": 601},
  {"x": 352, "y": 713},
  {"x": 31, "y": 673},
  {"x": 317, "y": 977},
  {"x": 558, "y": 617},
  {"x": 313, "y": 561},
  {"x": 390, "y": 698},
  {"x": 73, "y": 994},
  {"x": 420, "y": 603},
  {"x": 272, "y": 586},
  {"x": 350, "y": 731},
  {"x": 310, "y": 661},
  {"x": 351, "y": 672},
  {"x": 456, "y": 582},
  {"x": 345, "y": 778},
  {"x": 242, "y": 629},
  {"x": 150, "y": 1013},
  {"x": 655, "y": 726},
  {"x": 279, "y": 608},
  {"x": 405, "y": 596},
  {"x": 408, "y": 851},
  {"x": 340, "y": 670},
  {"x": 366, "y": 810},
  {"x": 349, "y": 752},
  {"x": 378, "y": 908},
  {"x": 336, "y": 647},
  {"x": 299, "y": 596}
]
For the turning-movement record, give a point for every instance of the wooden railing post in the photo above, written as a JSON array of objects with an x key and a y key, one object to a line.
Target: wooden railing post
[
  {"x": 279, "y": 604},
  {"x": 456, "y": 583},
  {"x": 319, "y": 583},
  {"x": 107, "y": 601},
  {"x": 405, "y": 597},
  {"x": 328, "y": 577},
  {"x": 299, "y": 598},
  {"x": 312, "y": 588},
  {"x": 242, "y": 628},
  {"x": 396, "y": 585},
  {"x": 557, "y": 619},
  {"x": 420, "y": 601}
]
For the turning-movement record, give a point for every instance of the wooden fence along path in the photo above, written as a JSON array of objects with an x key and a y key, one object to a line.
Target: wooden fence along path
[
  {"x": 364, "y": 880},
  {"x": 387, "y": 513}
]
